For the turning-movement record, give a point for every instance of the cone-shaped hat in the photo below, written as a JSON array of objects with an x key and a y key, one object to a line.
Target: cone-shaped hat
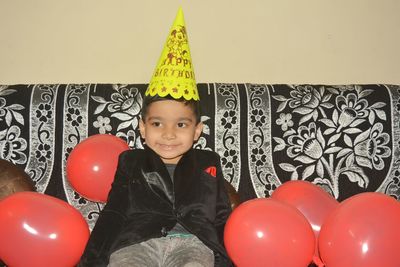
[{"x": 174, "y": 73}]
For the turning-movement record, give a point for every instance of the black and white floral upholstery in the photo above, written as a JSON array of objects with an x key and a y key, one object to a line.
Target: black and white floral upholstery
[{"x": 343, "y": 138}]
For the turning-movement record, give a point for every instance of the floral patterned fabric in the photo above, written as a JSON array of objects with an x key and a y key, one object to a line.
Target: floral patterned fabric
[{"x": 343, "y": 138}]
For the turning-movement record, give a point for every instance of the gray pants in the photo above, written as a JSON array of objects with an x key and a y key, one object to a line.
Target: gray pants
[{"x": 170, "y": 251}]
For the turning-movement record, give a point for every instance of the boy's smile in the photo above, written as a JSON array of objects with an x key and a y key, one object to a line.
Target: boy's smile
[{"x": 170, "y": 129}]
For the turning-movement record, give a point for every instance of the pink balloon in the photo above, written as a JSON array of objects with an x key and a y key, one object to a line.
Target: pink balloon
[
  {"x": 362, "y": 231},
  {"x": 40, "y": 230},
  {"x": 92, "y": 164},
  {"x": 311, "y": 200},
  {"x": 265, "y": 232}
]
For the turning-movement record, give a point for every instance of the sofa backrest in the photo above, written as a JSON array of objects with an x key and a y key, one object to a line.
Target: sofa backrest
[{"x": 344, "y": 138}]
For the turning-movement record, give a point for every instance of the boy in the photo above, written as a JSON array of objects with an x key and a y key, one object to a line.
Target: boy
[
  {"x": 168, "y": 205},
  {"x": 147, "y": 202}
]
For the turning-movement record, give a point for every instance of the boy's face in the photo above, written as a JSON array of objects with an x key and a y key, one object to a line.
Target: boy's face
[{"x": 170, "y": 129}]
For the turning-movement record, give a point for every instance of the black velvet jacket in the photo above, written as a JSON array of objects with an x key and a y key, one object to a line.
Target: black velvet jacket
[{"x": 139, "y": 206}]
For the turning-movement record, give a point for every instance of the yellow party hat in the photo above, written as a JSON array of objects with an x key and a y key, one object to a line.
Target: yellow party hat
[{"x": 174, "y": 73}]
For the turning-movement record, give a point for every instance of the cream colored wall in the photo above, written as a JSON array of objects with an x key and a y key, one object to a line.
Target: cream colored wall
[{"x": 261, "y": 41}]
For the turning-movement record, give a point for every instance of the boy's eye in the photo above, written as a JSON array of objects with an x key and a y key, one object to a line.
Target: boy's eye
[
  {"x": 181, "y": 124},
  {"x": 156, "y": 124}
]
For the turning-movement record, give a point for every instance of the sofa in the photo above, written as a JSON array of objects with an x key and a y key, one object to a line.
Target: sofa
[{"x": 343, "y": 138}]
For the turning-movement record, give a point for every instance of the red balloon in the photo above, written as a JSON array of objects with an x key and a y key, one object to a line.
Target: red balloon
[
  {"x": 311, "y": 200},
  {"x": 265, "y": 232},
  {"x": 40, "y": 230},
  {"x": 362, "y": 231},
  {"x": 92, "y": 164}
]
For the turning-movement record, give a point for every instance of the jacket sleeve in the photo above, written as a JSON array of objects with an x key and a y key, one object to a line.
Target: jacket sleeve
[
  {"x": 223, "y": 206},
  {"x": 110, "y": 221}
]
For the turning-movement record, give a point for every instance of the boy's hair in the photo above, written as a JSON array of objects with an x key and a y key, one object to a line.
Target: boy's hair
[{"x": 193, "y": 105}]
